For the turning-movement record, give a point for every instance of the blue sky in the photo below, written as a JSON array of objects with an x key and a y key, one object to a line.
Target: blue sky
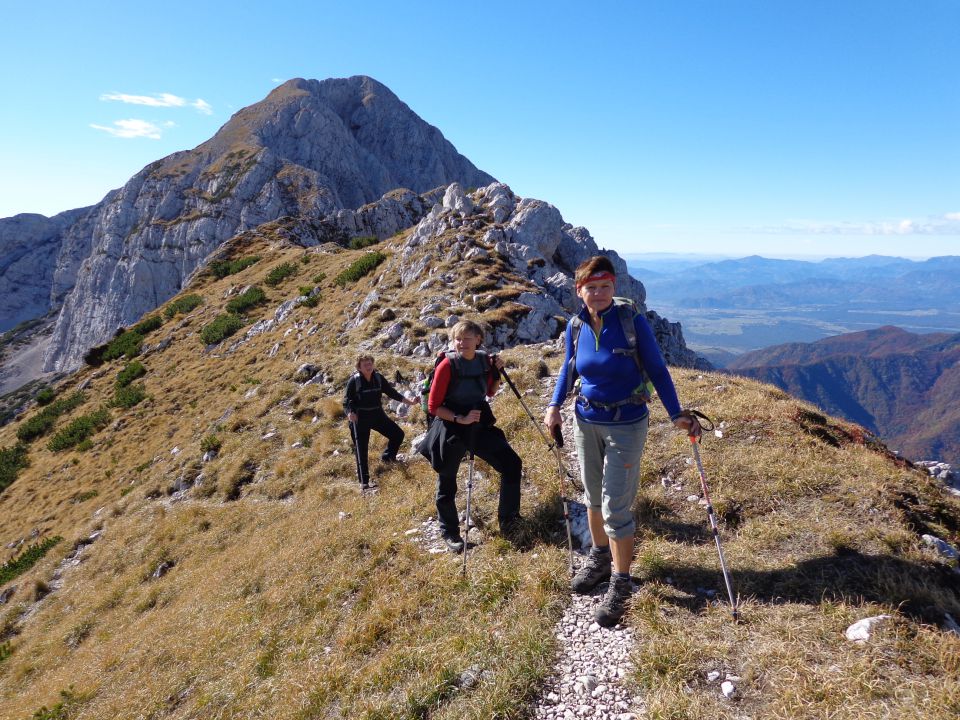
[{"x": 777, "y": 128}]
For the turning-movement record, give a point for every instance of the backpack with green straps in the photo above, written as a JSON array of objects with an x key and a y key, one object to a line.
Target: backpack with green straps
[{"x": 627, "y": 312}]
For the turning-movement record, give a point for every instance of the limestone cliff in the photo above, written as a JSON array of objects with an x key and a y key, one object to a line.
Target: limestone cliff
[{"x": 311, "y": 148}]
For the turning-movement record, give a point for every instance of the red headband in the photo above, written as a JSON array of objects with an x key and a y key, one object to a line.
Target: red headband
[{"x": 602, "y": 275}]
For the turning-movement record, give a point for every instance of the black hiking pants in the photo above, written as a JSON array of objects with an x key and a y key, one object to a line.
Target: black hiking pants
[
  {"x": 490, "y": 445},
  {"x": 376, "y": 419}
]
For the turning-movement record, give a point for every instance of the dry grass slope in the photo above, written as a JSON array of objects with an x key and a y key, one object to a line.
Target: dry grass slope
[{"x": 287, "y": 594}]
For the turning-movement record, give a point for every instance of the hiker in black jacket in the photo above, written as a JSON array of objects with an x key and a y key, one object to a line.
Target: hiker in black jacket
[{"x": 362, "y": 404}]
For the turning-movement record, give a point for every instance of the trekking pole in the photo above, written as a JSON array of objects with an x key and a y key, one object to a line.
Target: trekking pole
[
  {"x": 466, "y": 529},
  {"x": 356, "y": 451},
  {"x": 558, "y": 436},
  {"x": 555, "y": 447},
  {"x": 713, "y": 525}
]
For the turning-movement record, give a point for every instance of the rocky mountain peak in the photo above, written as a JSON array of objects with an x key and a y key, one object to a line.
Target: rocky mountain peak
[{"x": 310, "y": 148}]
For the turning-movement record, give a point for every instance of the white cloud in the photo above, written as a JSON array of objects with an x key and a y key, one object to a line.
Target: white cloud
[
  {"x": 157, "y": 100},
  {"x": 277, "y": 80},
  {"x": 202, "y": 106},
  {"x": 131, "y": 129}
]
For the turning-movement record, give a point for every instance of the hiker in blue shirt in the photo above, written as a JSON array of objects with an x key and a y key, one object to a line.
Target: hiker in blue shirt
[
  {"x": 362, "y": 404},
  {"x": 611, "y": 424}
]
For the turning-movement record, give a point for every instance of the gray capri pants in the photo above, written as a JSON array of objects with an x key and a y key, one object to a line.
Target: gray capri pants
[{"x": 610, "y": 470}]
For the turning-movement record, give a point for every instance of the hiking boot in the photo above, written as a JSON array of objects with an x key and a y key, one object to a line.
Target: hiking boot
[
  {"x": 593, "y": 572},
  {"x": 614, "y": 605},
  {"x": 454, "y": 543}
]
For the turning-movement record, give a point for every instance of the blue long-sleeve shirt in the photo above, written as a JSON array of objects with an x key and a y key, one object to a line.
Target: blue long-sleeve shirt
[{"x": 609, "y": 377}]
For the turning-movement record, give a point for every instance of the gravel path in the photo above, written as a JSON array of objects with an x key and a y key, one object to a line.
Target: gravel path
[{"x": 592, "y": 662}]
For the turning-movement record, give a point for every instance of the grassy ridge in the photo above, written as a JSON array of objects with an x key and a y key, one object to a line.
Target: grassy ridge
[{"x": 287, "y": 594}]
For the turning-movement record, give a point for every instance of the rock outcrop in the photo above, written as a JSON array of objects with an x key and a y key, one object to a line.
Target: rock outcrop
[
  {"x": 316, "y": 149},
  {"x": 539, "y": 246},
  {"x": 30, "y": 250}
]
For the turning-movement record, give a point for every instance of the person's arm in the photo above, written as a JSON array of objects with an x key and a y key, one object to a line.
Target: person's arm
[
  {"x": 552, "y": 415},
  {"x": 656, "y": 366},
  {"x": 350, "y": 399},
  {"x": 390, "y": 391},
  {"x": 350, "y": 396},
  {"x": 493, "y": 375},
  {"x": 438, "y": 387}
]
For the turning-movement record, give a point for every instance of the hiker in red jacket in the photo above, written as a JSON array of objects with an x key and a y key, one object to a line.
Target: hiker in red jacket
[{"x": 461, "y": 385}]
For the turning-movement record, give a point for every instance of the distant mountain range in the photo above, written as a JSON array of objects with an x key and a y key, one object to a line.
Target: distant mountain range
[
  {"x": 903, "y": 386},
  {"x": 729, "y": 307}
]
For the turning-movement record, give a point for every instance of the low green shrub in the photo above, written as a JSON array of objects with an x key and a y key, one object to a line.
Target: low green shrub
[
  {"x": 6, "y": 650},
  {"x": 311, "y": 301},
  {"x": 126, "y": 396},
  {"x": 42, "y": 422},
  {"x": 319, "y": 277},
  {"x": 18, "y": 565},
  {"x": 280, "y": 273},
  {"x": 358, "y": 243},
  {"x": 63, "y": 710},
  {"x": 305, "y": 289},
  {"x": 12, "y": 461},
  {"x": 126, "y": 344},
  {"x": 154, "y": 322},
  {"x": 222, "y": 327},
  {"x": 130, "y": 372},
  {"x": 79, "y": 430},
  {"x": 222, "y": 268},
  {"x": 244, "y": 301},
  {"x": 182, "y": 305},
  {"x": 358, "y": 268},
  {"x": 45, "y": 396},
  {"x": 211, "y": 443}
]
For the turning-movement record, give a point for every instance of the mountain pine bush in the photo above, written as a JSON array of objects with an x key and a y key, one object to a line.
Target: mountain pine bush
[
  {"x": 222, "y": 268},
  {"x": 41, "y": 423},
  {"x": 126, "y": 396},
  {"x": 358, "y": 268},
  {"x": 12, "y": 461},
  {"x": 79, "y": 430},
  {"x": 247, "y": 300},
  {"x": 183, "y": 305},
  {"x": 27, "y": 559},
  {"x": 130, "y": 372},
  {"x": 280, "y": 273},
  {"x": 222, "y": 327}
]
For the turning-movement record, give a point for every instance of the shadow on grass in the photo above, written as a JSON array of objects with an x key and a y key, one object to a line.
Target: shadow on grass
[{"x": 922, "y": 592}]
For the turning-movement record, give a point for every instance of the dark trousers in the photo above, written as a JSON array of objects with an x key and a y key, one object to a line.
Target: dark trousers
[
  {"x": 490, "y": 445},
  {"x": 368, "y": 420}
]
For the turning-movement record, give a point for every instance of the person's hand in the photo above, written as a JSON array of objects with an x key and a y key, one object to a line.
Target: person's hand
[
  {"x": 352, "y": 417},
  {"x": 497, "y": 362},
  {"x": 552, "y": 416},
  {"x": 689, "y": 424},
  {"x": 470, "y": 418}
]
